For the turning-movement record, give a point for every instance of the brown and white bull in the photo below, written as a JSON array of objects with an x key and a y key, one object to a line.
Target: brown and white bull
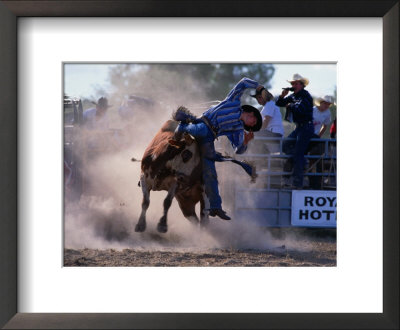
[{"x": 177, "y": 170}]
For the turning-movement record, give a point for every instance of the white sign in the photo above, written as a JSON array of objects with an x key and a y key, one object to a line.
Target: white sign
[{"x": 313, "y": 208}]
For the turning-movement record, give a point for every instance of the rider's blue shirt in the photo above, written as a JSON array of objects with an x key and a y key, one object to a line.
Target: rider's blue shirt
[{"x": 224, "y": 117}]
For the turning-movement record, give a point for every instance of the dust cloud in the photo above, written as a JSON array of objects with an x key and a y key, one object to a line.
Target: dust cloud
[
  {"x": 106, "y": 217},
  {"x": 105, "y": 214}
]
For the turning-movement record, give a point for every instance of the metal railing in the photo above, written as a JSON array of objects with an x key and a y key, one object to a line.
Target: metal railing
[{"x": 320, "y": 162}]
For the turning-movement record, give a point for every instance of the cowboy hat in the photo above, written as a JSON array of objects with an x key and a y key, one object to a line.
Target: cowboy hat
[
  {"x": 102, "y": 103},
  {"x": 326, "y": 98},
  {"x": 297, "y": 77},
  {"x": 257, "y": 114},
  {"x": 259, "y": 92}
]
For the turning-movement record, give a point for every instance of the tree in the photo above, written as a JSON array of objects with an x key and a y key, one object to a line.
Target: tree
[
  {"x": 217, "y": 79},
  {"x": 184, "y": 83}
]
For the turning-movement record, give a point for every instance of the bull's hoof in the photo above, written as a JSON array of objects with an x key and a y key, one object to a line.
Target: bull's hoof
[
  {"x": 162, "y": 228},
  {"x": 140, "y": 227}
]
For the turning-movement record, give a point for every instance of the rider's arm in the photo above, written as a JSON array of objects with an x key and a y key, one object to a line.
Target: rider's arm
[
  {"x": 283, "y": 101},
  {"x": 237, "y": 141},
  {"x": 238, "y": 90}
]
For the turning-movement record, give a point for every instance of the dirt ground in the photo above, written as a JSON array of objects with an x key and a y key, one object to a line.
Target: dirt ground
[{"x": 315, "y": 250}]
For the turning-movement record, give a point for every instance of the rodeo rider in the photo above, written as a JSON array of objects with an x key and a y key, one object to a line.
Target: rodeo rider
[{"x": 227, "y": 118}]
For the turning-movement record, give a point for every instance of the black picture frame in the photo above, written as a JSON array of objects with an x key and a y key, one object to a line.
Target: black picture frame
[{"x": 388, "y": 10}]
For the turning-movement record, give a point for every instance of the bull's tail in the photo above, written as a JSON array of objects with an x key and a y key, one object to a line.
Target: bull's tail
[
  {"x": 133, "y": 159},
  {"x": 183, "y": 114}
]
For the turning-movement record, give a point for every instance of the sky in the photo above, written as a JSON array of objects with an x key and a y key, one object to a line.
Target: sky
[{"x": 82, "y": 80}]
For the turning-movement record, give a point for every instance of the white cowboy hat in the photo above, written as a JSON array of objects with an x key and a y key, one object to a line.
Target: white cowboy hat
[
  {"x": 326, "y": 98},
  {"x": 297, "y": 77}
]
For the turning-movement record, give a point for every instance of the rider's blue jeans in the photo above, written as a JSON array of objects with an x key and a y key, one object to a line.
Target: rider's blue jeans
[{"x": 206, "y": 138}]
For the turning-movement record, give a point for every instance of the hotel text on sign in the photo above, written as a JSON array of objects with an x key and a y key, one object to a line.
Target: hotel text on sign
[{"x": 313, "y": 208}]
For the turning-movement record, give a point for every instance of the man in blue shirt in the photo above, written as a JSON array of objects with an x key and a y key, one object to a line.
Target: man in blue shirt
[
  {"x": 227, "y": 118},
  {"x": 299, "y": 106}
]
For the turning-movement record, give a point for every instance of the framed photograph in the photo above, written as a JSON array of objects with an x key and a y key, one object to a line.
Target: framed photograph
[{"x": 141, "y": 48}]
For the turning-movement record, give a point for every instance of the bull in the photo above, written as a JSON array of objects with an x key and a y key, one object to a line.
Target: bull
[{"x": 175, "y": 169}]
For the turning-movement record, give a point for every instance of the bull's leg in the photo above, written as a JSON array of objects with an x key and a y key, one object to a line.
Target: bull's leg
[
  {"x": 162, "y": 226},
  {"x": 141, "y": 225},
  {"x": 192, "y": 216},
  {"x": 188, "y": 209},
  {"x": 204, "y": 220}
]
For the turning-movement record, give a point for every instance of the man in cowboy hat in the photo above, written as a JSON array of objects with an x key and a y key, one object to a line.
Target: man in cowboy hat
[
  {"x": 321, "y": 121},
  {"x": 96, "y": 134},
  {"x": 299, "y": 106},
  {"x": 322, "y": 115},
  {"x": 96, "y": 118},
  {"x": 227, "y": 118}
]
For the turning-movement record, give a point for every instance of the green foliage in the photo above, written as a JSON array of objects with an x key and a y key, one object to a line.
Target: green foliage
[{"x": 220, "y": 78}]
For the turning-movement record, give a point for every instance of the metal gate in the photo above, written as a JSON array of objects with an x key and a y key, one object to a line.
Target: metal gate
[{"x": 268, "y": 202}]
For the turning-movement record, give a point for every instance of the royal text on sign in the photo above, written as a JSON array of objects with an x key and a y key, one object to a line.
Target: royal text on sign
[{"x": 314, "y": 208}]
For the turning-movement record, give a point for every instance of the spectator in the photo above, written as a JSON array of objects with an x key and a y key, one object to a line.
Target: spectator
[
  {"x": 299, "y": 106},
  {"x": 96, "y": 118},
  {"x": 322, "y": 118},
  {"x": 322, "y": 115},
  {"x": 272, "y": 119},
  {"x": 96, "y": 127}
]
